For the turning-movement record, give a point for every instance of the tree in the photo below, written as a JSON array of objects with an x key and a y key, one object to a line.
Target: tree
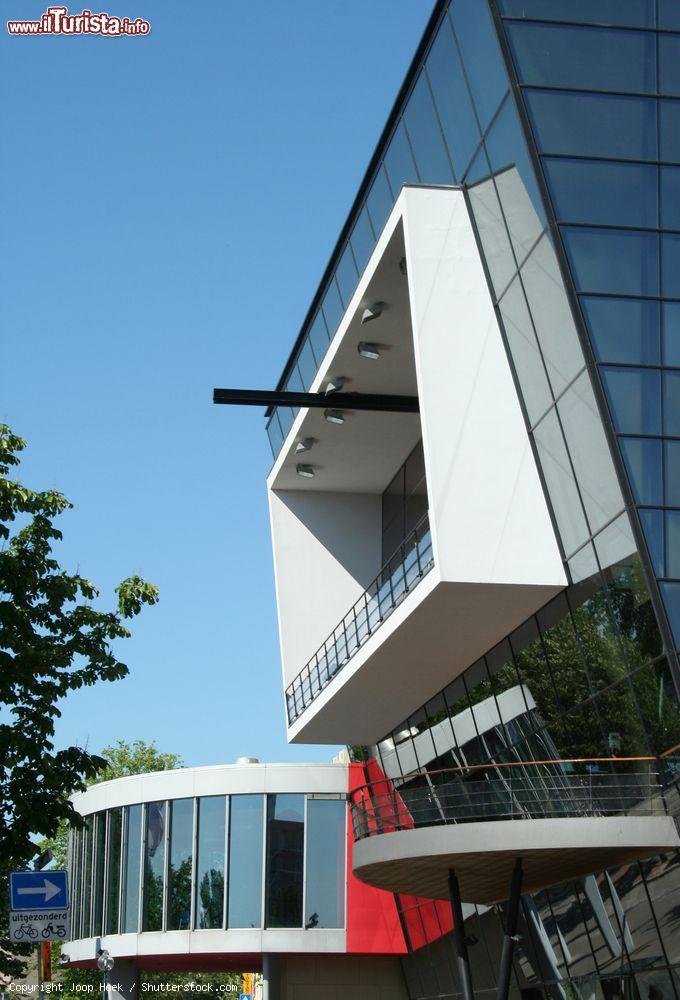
[{"x": 52, "y": 641}]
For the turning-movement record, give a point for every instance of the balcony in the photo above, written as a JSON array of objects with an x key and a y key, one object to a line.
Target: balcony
[
  {"x": 565, "y": 819},
  {"x": 397, "y": 578}
]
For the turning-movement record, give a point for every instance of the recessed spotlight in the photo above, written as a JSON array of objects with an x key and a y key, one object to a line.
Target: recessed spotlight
[
  {"x": 306, "y": 471},
  {"x": 334, "y": 384},
  {"x": 367, "y": 350},
  {"x": 372, "y": 312},
  {"x": 304, "y": 444},
  {"x": 334, "y": 416}
]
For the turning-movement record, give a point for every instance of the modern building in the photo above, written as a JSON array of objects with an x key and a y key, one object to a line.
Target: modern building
[{"x": 475, "y": 515}]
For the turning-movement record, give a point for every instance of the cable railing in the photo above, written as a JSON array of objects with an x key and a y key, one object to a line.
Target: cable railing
[
  {"x": 401, "y": 573},
  {"x": 515, "y": 790}
]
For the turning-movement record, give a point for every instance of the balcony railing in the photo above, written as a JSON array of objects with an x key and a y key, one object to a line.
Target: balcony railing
[
  {"x": 398, "y": 577},
  {"x": 512, "y": 791}
]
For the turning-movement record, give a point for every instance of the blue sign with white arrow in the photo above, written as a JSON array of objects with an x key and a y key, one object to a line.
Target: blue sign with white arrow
[{"x": 38, "y": 890}]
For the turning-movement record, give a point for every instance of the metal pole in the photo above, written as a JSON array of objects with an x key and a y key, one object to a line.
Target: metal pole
[
  {"x": 510, "y": 932},
  {"x": 459, "y": 938},
  {"x": 40, "y": 989}
]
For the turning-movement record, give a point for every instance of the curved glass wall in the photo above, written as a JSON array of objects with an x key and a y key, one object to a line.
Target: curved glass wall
[{"x": 211, "y": 862}]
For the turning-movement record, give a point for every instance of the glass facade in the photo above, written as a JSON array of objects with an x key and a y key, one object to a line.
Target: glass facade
[
  {"x": 194, "y": 864},
  {"x": 560, "y": 120}
]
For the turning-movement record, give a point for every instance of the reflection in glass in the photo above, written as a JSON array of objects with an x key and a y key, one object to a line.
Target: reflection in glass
[
  {"x": 452, "y": 98},
  {"x": 643, "y": 461},
  {"x": 560, "y": 482},
  {"x": 325, "y": 863},
  {"x": 426, "y": 137},
  {"x": 634, "y": 396},
  {"x": 624, "y": 331},
  {"x": 99, "y": 864},
  {"x": 632, "y": 13},
  {"x": 179, "y": 864},
  {"x": 399, "y": 161},
  {"x": 154, "y": 865},
  {"x": 133, "y": 847},
  {"x": 481, "y": 56},
  {"x": 210, "y": 861},
  {"x": 614, "y": 261},
  {"x": 525, "y": 352},
  {"x": 285, "y": 849},
  {"x": 246, "y": 820},
  {"x": 595, "y": 192},
  {"x": 113, "y": 874}
]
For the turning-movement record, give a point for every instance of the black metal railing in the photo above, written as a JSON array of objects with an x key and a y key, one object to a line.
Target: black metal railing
[
  {"x": 397, "y": 578},
  {"x": 521, "y": 790}
]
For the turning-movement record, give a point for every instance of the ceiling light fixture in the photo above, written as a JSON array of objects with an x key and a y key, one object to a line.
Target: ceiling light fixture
[
  {"x": 306, "y": 471},
  {"x": 372, "y": 312},
  {"x": 367, "y": 350},
  {"x": 334, "y": 384},
  {"x": 334, "y": 416},
  {"x": 304, "y": 444}
]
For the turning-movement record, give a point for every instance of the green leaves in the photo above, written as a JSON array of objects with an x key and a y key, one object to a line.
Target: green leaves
[{"x": 53, "y": 640}]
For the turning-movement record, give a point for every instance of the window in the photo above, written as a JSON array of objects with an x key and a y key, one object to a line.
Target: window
[
  {"x": 210, "y": 852},
  {"x": 634, "y": 396},
  {"x": 634, "y": 13},
  {"x": 399, "y": 162},
  {"x": 346, "y": 275},
  {"x": 133, "y": 846},
  {"x": 671, "y": 403},
  {"x": 617, "y": 194},
  {"x": 113, "y": 875},
  {"x": 672, "y": 456},
  {"x": 87, "y": 877},
  {"x": 99, "y": 868},
  {"x": 452, "y": 98},
  {"x": 643, "y": 461},
  {"x": 670, "y": 197},
  {"x": 669, "y": 65},
  {"x": 362, "y": 239},
  {"x": 426, "y": 137},
  {"x": 559, "y": 478},
  {"x": 318, "y": 337},
  {"x": 669, "y": 128},
  {"x": 332, "y": 308},
  {"x": 608, "y": 260},
  {"x": 623, "y": 330},
  {"x": 154, "y": 866},
  {"x": 669, "y": 14},
  {"x": 404, "y": 502},
  {"x": 481, "y": 56},
  {"x": 180, "y": 865},
  {"x": 285, "y": 849},
  {"x": 670, "y": 256},
  {"x": 246, "y": 819},
  {"x": 379, "y": 201},
  {"x": 325, "y": 863},
  {"x": 596, "y": 125},
  {"x": 584, "y": 58},
  {"x": 525, "y": 352}
]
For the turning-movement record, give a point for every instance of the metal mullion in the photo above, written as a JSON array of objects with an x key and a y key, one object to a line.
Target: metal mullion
[
  {"x": 194, "y": 864},
  {"x": 105, "y": 873},
  {"x": 305, "y": 828},
  {"x": 227, "y": 869},
  {"x": 166, "y": 865},
  {"x": 93, "y": 859},
  {"x": 263, "y": 892},
  {"x": 142, "y": 869},
  {"x": 562, "y": 22}
]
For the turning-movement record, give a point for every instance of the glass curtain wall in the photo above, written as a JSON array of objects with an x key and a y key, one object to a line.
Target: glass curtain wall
[{"x": 213, "y": 851}]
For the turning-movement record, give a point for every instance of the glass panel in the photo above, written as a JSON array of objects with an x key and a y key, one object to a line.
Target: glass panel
[
  {"x": 643, "y": 460},
  {"x": 672, "y": 455},
  {"x": 87, "y": 878},
  {"x": 362, "y": 239},
  {"x": 623, "y": 330},
  {"x": 274, "y": 434},
  {"x": 246, "y": 820},
  {"x": 180, "y": 864},
  {"x": 515, "y": 180},
  {"x": 669, "y": 14},
  {"x": 346, "y": 276},
  {"x": 670, "y": 197},
  {"x": 634, "y": 396},
  {"x": 113, "y": 875},
  {"x": 525, "y": 353},
  {"x": 99, "y": 862},
  {"x": 133, "y": 841},
  {"x": 426, "y": 137},
  {"x": 318, "y": 337},
  {"x": 670, "y": 255},
  {"x": 634, "y": 13},
  {"x": 671, "y": 403},
  {"x": 590, "y": 453},
  {"x": 617, "y": 194},
  {"x": 552, "y": 316},
  {"x": 452, "y": 98},
  {"x": 306, "y": 365},
  {"x": 652, "y": 526},
  {"x": 481, "y": 56},
  {"x": 325, "y": 863},
  {"x": 498, "y": 253},
  {"x": 332, "y": 308},
  {"x": 671, "y": 597},
  {"x": 608, "y": 260},
  {"x": 669, "y": 65},
  {"x": 399, "y": 162},
  {"x": 379, "y": 201},
  {"x": 671, "y": 333},
  {"x": 285, "y": 849},
  {"x": 672, "y": 522},
  {"x": 584, "y": 58},
  {"x": 154, "y": 867},
  {"x": 210, "y": 864},
  {"x": 560, "y": 482},
  {"x": 294, "y": 382},
  {"x": 669, "y": 130},
  {"x": 595, "y": 124}
]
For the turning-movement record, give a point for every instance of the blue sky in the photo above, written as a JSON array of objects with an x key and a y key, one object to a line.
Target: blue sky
[{"x": 169, "y": 204}]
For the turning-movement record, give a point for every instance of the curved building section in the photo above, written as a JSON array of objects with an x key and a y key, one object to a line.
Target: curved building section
[{"x": 216, "y": 867}]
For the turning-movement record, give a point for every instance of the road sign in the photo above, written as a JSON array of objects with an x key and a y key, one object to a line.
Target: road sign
[
  {"x": 36, "y": 926},
  {"x": 38, "y": 890}
]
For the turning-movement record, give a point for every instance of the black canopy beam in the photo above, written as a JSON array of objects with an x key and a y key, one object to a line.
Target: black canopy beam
[{"x": 334, "y": 400}]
